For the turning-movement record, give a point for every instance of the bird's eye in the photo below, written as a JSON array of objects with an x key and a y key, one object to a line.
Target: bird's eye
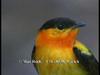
[{"x": 61, "y": 26}]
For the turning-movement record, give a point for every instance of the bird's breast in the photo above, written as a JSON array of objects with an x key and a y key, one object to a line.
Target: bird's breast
[
  {"x": 50, "y": 51},
  {"x": 55, "y": 61}
]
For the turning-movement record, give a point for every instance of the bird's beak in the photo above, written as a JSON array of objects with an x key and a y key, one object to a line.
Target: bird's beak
[
  {"x": 78, "y": 25},
  {"x": 75, "y": 29}
]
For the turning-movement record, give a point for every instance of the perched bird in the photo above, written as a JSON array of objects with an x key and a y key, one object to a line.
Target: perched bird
[{"x": 59, "y": 52}]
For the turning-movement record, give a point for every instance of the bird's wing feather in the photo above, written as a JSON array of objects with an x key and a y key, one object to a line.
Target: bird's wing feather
[
  {"x": 86, "y": 58},
  {"x": 33, "y": 57}
]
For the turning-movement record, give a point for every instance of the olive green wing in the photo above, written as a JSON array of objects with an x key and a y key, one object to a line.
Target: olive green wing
[{"x": 86, "y": 59}]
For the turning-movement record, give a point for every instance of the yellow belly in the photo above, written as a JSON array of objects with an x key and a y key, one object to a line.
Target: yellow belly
[
  {"x": 60, "y": 69},
  {"x": 48, "y": 66}
]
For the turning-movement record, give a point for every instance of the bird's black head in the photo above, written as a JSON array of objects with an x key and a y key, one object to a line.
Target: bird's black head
[
  {"x": 60, "y": 23},
  {"x": 59, "y": 29}
]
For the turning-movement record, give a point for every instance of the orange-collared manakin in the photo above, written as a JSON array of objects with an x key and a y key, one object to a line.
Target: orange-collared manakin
[{"x": 60, "y": 52}]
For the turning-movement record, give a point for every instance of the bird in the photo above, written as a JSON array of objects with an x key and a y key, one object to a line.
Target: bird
[{"x": 60, "y": 52}]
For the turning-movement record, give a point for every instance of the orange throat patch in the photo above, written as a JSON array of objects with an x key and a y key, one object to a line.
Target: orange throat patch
[
  {"x": 56, "y": 46},
  {"x": 43, "y": 39}
]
